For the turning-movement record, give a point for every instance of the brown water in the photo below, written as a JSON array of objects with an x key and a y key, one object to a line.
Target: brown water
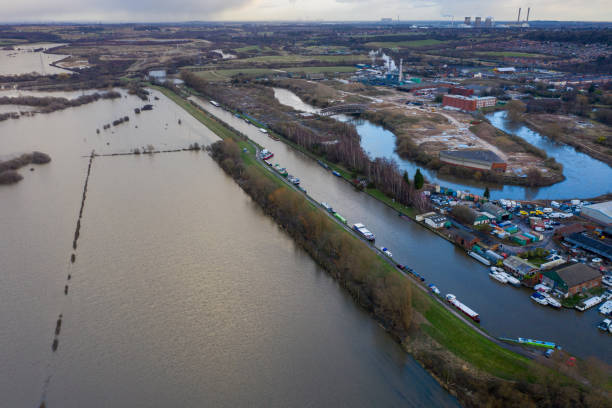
[
  {"x": 24, "y": 60},
  {"x": 505, "y": 311},
  {"x": 183, "y": 293}
]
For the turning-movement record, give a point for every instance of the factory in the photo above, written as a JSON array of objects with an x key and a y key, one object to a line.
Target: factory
[
  {"x": 468, "y": 103},
  {"x": 474, "y": 159}
]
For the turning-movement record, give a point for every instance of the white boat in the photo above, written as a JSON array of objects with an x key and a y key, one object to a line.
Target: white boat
[
  {"x": 215, "y": 103},
  {"x": 606, "y": 308},
  {"x": 262, "y": 130},
  {"x": 607, "y": 280},
  {"x": 496, "y": 269},
  {"x": 589, "y": 303},
  {"x": 434, "y": 289},
  {"x": 540, "y": 287},
  {"x": 539, "y": 298},
  {"x": 605, "y": 326},
  {"x": 511, "y": 279},
  {"x": 498, "y": 277},
  {"x": 552, "y": 301},
  {"x": 479, "y": 258},
  {"x": 386, "y": 252},
  {"x": 363, "y": 231}
]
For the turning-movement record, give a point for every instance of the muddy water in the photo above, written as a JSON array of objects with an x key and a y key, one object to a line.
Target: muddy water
[
  {"x": 24, "y": 60},
  {"x": 504, "y": 310},
  {"x": 379, "y": 142},
  {"x": 183, "y": 293}
]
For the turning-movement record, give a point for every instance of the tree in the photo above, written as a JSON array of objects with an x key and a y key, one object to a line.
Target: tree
[
  {"x": 406, "y": 177},
  {"x": 487, "y": 193},
  {"x": 419, "y": 180},
  {"x": 515, "y": 110}
]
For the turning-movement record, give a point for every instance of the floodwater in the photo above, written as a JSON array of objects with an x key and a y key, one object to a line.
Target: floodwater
[
  {"x": 183, "y": 292},
  {"x": 505, "y": 311},
  {"x": 24, "y": 60},
  {"x": 379, "y": 142}
]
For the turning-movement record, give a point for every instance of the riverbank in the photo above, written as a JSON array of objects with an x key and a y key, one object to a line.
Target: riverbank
[
  {"x": 592, "y": 139},
  {"x": 527, "y": 165},
  {"x": 444, "y": 344}
]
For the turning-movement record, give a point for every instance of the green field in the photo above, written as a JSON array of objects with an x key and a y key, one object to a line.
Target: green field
[
  {"x": 405, "y": 44},
  {"x": 227, "y": 74},
  {"x": 511, "y": 54},
  {"x": 294, "y": 58}
]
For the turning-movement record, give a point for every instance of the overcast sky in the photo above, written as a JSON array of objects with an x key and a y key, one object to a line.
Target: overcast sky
[{"x": 328, "y": 10}]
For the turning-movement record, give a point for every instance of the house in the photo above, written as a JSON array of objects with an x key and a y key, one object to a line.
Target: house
[
  {"x": 499, "y": 213},
  {"x": 519, "y": 266},
  {"x": 464, "y": 238},
  {"x": 572, "y": 279},
  {"x": 437, "y": 221}
]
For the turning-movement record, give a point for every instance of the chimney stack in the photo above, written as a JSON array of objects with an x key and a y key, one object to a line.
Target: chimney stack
[
  {"x": 518, "y": 20},
  {"x": 528, "y": 10},
  {"x": 400, "y": 70}
]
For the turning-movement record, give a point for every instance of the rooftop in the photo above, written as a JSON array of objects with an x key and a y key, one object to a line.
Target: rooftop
[
  {"x": 605, "y": 207},
  {"x": 576, "y": 274},
  {"x": 484, "y": 155}
]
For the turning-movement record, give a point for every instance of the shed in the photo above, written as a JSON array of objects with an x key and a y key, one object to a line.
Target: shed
[
  {"x": 464, "y": 238},
  {"x": 499, "y": 213}
]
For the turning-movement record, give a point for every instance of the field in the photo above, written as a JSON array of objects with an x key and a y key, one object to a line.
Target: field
[
  {"x": 294, "y": 59},
  {"x": 405, "y": 44},
  {"x": 227, "y": 74},
  {"x": 511, "y": 54}
]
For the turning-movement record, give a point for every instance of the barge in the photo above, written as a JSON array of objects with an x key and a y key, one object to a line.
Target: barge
[
  {"x": 364, "y": 232},
  {"x": 452, "y": 299}
]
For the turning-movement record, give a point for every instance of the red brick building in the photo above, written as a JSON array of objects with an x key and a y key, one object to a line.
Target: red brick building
[
  {"x": 459, "y": 90},
  {"x": 471, "y": 103}
]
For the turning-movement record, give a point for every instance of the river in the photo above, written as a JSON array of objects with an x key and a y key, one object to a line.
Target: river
[
  {"x": 379, "y": 142},
  {"x": 504, "y": 310},
  {"x": 183, "y": 292}
]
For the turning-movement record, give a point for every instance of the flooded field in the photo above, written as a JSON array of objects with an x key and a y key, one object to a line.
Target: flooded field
[
  {"x": 24, "y": 60},
  {"x": 183, "y": 292}
]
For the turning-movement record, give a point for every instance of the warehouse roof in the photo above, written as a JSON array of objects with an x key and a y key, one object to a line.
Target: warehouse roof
[
  {"x": 598, "y": 246},
  {"x": 605, "y": 208},
  {"x": 576, "y": 274},
  {"x": 483, "y": 155}
]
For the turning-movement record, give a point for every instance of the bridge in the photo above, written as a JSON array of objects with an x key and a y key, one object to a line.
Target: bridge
[{"x": 339, "y": 109}]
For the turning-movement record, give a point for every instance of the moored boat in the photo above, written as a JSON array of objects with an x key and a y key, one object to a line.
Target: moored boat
[
  {"x": 364, "y": 232},
  {"x": 323, "y": 164},
  {"x": 340, "y": 218},
  {"x": 434, "y": 288},
  {"x": 552, "y": 301},
  {"x": 327, "y": 208},
  {"x": 511, "y": 279},
  {"x": 539, "y": 298},
  {"x": 266, "y": 154},
  {"x": 386, "y": 252},
  {"x": 606, "y": 308},
  {"x": 605, "y": 325},
  {"x": 498, "y": 277},
  {"x": 452, "y": 299},
  {"x": 589, "y": 303},
  {"x": 479, "y": 258},
  {"x": 335, "y": 173}
]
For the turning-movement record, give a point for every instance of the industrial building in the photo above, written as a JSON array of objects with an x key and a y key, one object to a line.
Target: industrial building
[
  {"x": 470, "y": 103},
  {"x": 474, "y": 159},
  {"x": 437, "y": 221},
  {"x": 459, "y": 90},
  {"x": 499, "y": 213},
  {"x": 572, "y": 279},
  {"x": 601, "y": 213},
  {"x": 596, "y": 245}
]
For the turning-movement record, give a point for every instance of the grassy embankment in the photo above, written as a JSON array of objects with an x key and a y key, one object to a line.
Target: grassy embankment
[
  {"x": 451, "y": 332},
  {"x": 511, "y": 54}
]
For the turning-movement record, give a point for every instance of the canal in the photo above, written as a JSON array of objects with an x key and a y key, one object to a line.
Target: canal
[
  {"x": 504, "y": 310},
  {"x": 183, "y": 292}
]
